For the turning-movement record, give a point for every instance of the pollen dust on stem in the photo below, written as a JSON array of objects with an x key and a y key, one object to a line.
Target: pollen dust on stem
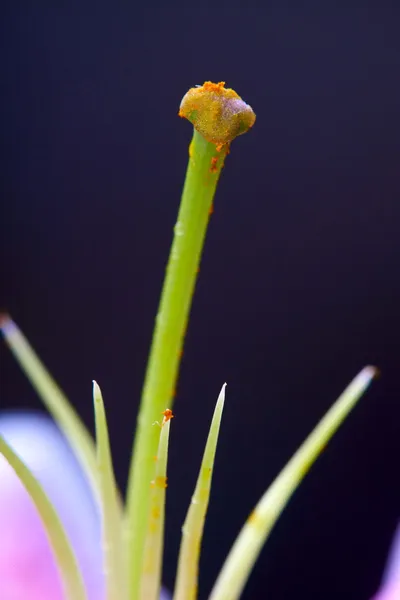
[
  {"x": 214, "y": 163},
  {"x": 160, "y": 482},
  {"x": 155, "y": 512},
  {"x": 191, "y": 149},
  {"x": 168, "y": 414}
]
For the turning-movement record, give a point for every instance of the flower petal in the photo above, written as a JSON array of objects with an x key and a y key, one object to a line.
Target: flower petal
[
  {"x": 389, "y": 592},
  {"x": 390, "y": 589},
  {"x": 27, "y": 567}
]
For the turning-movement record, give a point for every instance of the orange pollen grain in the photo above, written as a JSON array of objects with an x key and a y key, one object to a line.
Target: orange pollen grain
[
  {"x": 160, "y": 482},
  {"x": 255, "y": 519},
  {"x": 209, "y": 86},
  {"x": 190, "y": 148},
  {"x": 214, "y": 162},
  {"x": 168, "y": 414},
  {"x": 155, "y": 513}
]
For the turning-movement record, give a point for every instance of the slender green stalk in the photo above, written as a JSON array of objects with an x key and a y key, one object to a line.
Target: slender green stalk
[
  {"x": 53, "y": 398},
  {"x": 248, "y": 544},
  {"x": 67, "y": 564},
  {"x": 192, "y": 531},
  {"x": 204, "y": 168},
  {"x": 110, "y": 509},
  {"x": 218, "y": 115},
  {"x": 152, "y": 564}
]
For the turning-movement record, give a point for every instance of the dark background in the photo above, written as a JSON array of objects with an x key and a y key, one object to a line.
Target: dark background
[{"x": 299, "y": 284}]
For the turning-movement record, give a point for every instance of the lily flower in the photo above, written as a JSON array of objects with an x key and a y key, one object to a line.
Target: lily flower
[
  {"x": 88, "y": 533},
  {"x": 104, "y": 547}
]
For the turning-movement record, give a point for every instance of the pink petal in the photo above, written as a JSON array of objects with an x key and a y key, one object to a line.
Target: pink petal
[
  {"x": 27, "y": 567},
  {"x": 390, "y": 592},
  {"x": 390, "y": 589}
]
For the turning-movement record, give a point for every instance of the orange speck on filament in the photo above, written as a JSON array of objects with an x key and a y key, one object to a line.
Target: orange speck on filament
[
  {"x": 191, "y": 149},
  {"x": 160, "y": 482},
  {"x": 218, "y": 88},
  {"x": 214, "y": 162},
  {"x": 155, "y": 512},
  {"x": 168, "y": 414},
  {"x": 255, "y": 519}
]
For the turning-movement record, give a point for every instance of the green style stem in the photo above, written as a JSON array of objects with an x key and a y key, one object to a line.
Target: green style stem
[{"x": 205, "y": 164}]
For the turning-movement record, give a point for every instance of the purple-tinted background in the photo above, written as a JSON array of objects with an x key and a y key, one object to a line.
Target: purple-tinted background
[{"x": 299, "y": 286}]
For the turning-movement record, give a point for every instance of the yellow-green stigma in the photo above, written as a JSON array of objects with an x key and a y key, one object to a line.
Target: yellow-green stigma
[{"x": 216, "y": 112}]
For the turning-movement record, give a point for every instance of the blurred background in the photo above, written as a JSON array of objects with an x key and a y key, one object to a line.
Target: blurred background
[{"x": 299, "y": 285}]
